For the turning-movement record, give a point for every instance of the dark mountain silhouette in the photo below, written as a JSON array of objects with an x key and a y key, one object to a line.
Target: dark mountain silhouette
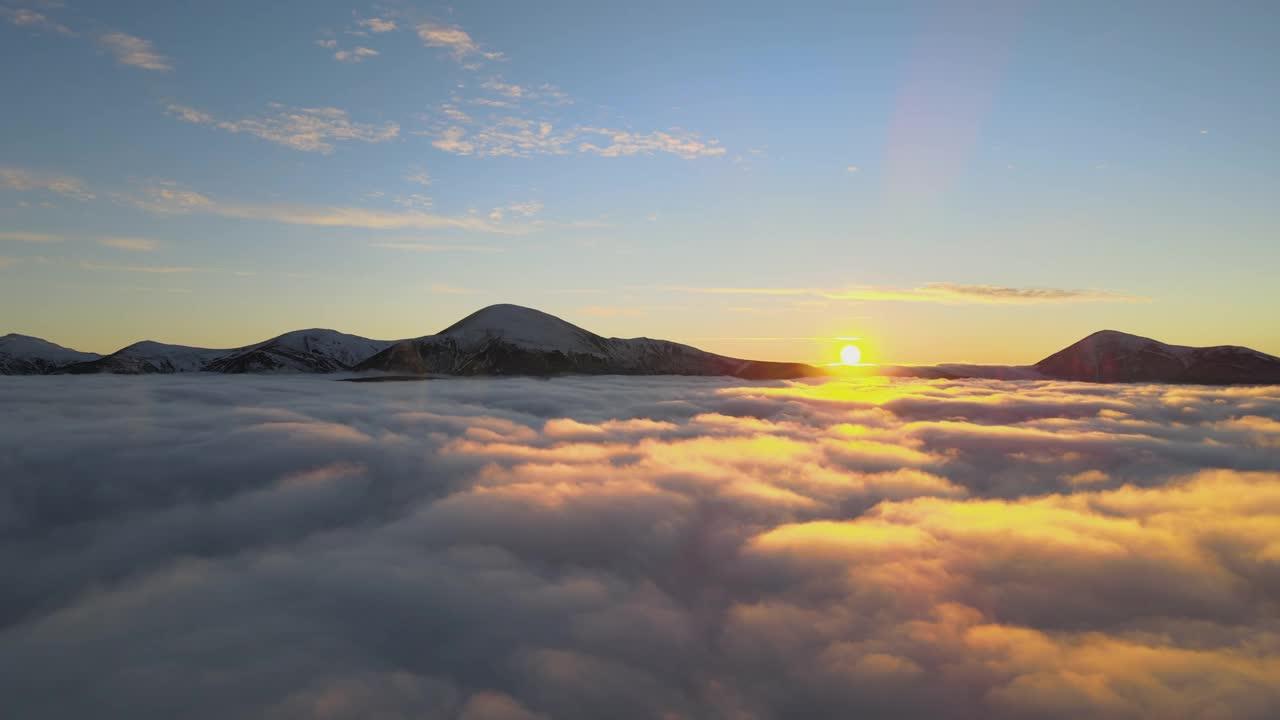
[
  {"x": 514, "y": 340},
  {"x": 1109, "y": 356}
]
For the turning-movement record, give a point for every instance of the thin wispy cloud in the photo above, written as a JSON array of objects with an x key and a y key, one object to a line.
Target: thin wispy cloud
[
  {"x": 134, "y": 51},
  {"x": 33, "y": 20},
  {"x": 304, "y": 129},
  {"x": 153, "y": 289},
  {"x": 168, "y": 199},
  {"x": 545, "y": 93},
  {"x": 152, "y": 269},
  {"x": 513, "y": 136},
  {"x": 944, "y": 292},
  {"x": 612, "y": 311},
  {"x": 454, "y": 39},
  {"x": 355, "y": 55},
  {"x": 133, "y": 244},
  {"x": 619, "y": 143},
  {"x": 416, "y": 201},
  {"x": 29, "y": 237},
  {"x": 522, "y": 209},
  {"x": 377, "y": 25},
  {"x": 936, "y": 292},
  {"x": 434, "y": 247},
  {"x": 6, "y": 261},
  {"x": 23, "y": 179}
]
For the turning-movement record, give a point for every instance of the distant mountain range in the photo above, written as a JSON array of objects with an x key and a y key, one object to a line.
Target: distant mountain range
[
  {"x": 497, "y": 340},
  {"x": 1110, "y": 356},
  {"x": 514, "y": 340}
]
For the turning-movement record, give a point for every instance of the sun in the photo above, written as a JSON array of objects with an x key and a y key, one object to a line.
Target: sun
[{"x": 850, "y": 355}]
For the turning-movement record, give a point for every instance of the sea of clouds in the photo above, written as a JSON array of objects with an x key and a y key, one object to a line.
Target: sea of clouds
[{"x": 295, "y": 547}]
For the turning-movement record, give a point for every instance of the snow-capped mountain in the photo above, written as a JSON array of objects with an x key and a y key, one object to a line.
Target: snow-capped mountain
[
  {"x": 301, "y": 351},
  {"x": 514, "y": 340},
  {"x": 146, "y": 357},
  {"x": 298, "y": 351},
  {"x": 26, "y": 355},
  {"x": 1111, "y": 356}
]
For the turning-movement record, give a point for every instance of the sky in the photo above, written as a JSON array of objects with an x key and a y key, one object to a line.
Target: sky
[{"x": 981, "y": 182}]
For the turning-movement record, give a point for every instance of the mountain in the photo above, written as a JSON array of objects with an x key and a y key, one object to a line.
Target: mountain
[
  {"x": 317, "y": 351},
  {"x": 147, "y": 357},
  {"x": 1109, "y": 356},
  {"x": 26, "y": 355},
  {"x": 514, "y": 340},
  {"x": 956, "y": 371}
]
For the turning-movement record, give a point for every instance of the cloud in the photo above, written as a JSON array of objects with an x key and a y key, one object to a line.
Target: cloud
[
  {"x": 414, "y": 200},
  {"x": 418, "y": 176},
  {"x": 355, "y": 55},
  {"x": 29, "y": 237},
  {"x": 620, "y": 143},
  {"x": 520, "y": 137},
  {"x": 609, "y": 311},
  {"x": 171, "y": 199},
  {"x": 455, "y": 40},
  {"x": 935, "y": 292},
  {"x": 134, "y": 51},
  {"x": 377, "y": 25},
  {"x": 38, "y": 21},
  {"x": 22, "y": 179},
  {"x": 433, "y": 247},
  {"x": 304, "y": 129},
  {"x": 943, "y": 292},
  {"x": 522, "y": 209},
  {"x": 155, "y": 269},
  {"x": 135, "y": 244},
  {"x": 6, "y": 261},
  {"x": 638, "y": 547},
  {"x": 545, "y": 93}
]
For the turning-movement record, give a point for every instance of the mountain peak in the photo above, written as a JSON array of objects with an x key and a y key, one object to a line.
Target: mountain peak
[
  {"x": 524, "y": 326},
  {"x": 24, "y": 354},
  {"x": 1114, "y": 356}
]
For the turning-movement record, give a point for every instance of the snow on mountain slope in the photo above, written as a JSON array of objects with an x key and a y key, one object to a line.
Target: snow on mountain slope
[
  {"x": 147, "y": 357},
  {"x": 525, "y": 327},
  {"x": 26, "y": 355},
  {"x": 314, "y": 350}
]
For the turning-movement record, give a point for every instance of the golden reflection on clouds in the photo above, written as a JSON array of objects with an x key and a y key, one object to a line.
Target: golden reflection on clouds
[{"x": 702, "y": 548}]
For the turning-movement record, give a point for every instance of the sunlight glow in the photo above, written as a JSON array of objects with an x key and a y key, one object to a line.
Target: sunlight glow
[{"x": 850, "y": 355}]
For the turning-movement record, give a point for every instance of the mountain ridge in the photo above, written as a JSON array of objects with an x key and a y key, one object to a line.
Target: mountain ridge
[
  {"x": 514, "y": 340},
  {"x": 507, "y": 339}
]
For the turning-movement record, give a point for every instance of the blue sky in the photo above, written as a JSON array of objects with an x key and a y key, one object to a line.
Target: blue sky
[{"x": 949, "y": 181}]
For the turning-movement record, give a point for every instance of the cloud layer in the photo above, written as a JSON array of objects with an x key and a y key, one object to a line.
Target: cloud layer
[
  {"x": 632, "y": 547},
  {"x": 305, "y": 129}
]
